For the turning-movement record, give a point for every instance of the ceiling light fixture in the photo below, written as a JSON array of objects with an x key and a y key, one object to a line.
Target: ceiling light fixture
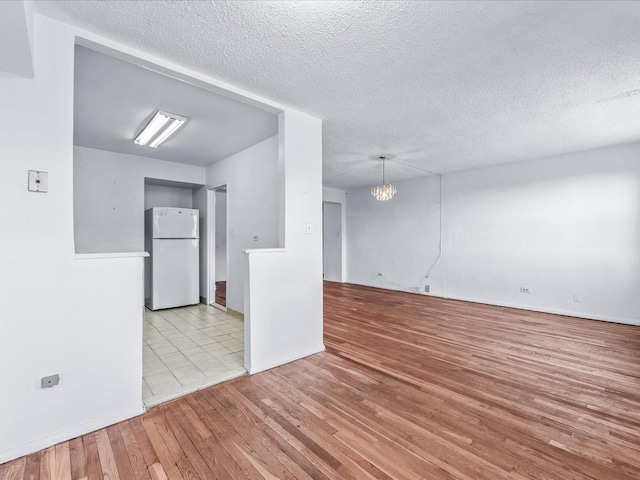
[
  {"x": 383, "y": 192},
  {"x": 160, "y": 128}
]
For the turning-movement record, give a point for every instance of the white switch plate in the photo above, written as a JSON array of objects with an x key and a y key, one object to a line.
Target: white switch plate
[
  {"x": 308, "y": 228},
  {"x": 577, "y": 297},
  {"x": 38, "y": 181}
]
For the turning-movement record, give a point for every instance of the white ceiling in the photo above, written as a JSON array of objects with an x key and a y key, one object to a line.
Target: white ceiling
[
  {"x": 115, "y": 99},
  {"x": 445, "y": 86}
]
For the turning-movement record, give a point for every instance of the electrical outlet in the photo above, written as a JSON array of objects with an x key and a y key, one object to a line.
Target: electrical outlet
[
  {"x": 50, "y": 381},
  {"x": 577, "y": 297},
  {"x": 379, "y": 274},
  {"x": 38, "y": 181},
  {"x": 256, "y": 238},
  {"x": 427, "y": 288},
  {"x": 525, "y": 290}
]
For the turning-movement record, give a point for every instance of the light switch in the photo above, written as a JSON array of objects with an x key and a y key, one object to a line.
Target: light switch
[
  {"x": 308, "y": 228},
  {"x": 38, "y": 181}
]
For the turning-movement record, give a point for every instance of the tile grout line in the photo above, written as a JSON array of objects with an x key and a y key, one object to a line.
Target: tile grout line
[{"x": 183, "y": 326}]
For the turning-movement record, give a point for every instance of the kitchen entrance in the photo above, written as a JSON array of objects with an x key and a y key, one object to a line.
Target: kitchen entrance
[
  {"x": 148, "y": 141},
  {"x": 187, "y": 349}
]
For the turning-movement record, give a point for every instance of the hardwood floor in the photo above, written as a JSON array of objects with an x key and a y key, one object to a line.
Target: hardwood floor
[
  {"x": 411, "y": 387},
  {"x": 512, "y": 393},
  {"x": 221, "y": 293}
]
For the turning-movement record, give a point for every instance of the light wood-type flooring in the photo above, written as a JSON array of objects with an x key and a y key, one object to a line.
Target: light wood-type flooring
[{"x": 411, "y": 387}]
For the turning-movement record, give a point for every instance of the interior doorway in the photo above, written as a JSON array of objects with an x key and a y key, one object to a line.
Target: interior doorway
[
  {"x": 219, "y": 263},
  {"x": 332, "y": 241}
]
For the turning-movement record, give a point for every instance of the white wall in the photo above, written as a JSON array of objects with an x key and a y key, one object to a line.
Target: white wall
[
  {"x": 79, "y": 318},
  {"x": 109, "y": 197},
  {"x": 221, "y": 236},
  {"x": 394, "y": 244},
  {"x": 253, "y": 184},
  {"x": 558, "y": 226},
  {"x": 199, "y": 201},
  {"x": 163, "y": 196},
  {"x": 332, "y": 241},
  {"x": 283, "y": 301},
  {"x": 16, "y": 26}
]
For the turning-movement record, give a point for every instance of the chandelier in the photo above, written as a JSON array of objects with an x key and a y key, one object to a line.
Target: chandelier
[{"x": 383, "y": 192}]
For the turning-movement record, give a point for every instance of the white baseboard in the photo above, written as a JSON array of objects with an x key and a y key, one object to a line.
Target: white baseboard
[
  {"x": 68, "y": 434},
  {"x": 393, "y": 289},
  {"x": 284, "y": 359},
  {"x": 555, "y": 311}
]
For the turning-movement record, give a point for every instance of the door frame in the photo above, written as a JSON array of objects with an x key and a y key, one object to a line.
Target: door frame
[
  {"x": 211, "y": 244},
  {"x": 343, "y": 235}
]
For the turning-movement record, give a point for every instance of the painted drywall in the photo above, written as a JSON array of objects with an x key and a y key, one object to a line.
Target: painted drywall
[
  {"x": 558, "y": 226},
  {"x": 393, "y": 244},
  {"x": 334, "y": 195},
  {"x": 109, "y": 197},
  {"x": 108, "y": 114},
  {"x": 253, "y": 182},
  {"x": 199, "y": 201},
  {"x": 221, "y": 236},
  {"x": 16, "y": 31},
  {"x": 332, "y": 241},
  {"x": 283, "y": 300},
  {"x": 162, "y": 196},
  {"x": 81, "y": 319},
  {"x": 81, "y": 316}
]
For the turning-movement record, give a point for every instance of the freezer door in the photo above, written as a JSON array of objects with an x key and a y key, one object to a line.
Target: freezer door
[
  {"x": 175, "y": 278},
  {"x": 174, "y": 223}
]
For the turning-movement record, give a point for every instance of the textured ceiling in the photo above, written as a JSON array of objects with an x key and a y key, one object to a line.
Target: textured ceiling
[
  {"x": 114, "y": 99},
  {"x": 445, "y": 86}
]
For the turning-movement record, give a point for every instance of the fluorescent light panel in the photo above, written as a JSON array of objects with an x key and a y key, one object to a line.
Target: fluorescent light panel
[
  {"x": 170, "y": 129},
  {"x": 160, "y": 128}
]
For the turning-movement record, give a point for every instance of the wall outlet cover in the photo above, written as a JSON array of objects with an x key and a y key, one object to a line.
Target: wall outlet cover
[
  {"x": 525, "y": 290},
  {"x": 427, "y": 288},
  {"x": 50, "y": 381},
  {"x": 38, "y": 181}
]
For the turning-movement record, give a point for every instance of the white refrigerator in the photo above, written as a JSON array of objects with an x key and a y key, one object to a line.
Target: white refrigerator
[{"x": 172, "y": 272}]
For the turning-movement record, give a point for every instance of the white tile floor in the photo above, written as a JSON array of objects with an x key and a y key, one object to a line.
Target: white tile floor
[{"x": 188, "y": 348}]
